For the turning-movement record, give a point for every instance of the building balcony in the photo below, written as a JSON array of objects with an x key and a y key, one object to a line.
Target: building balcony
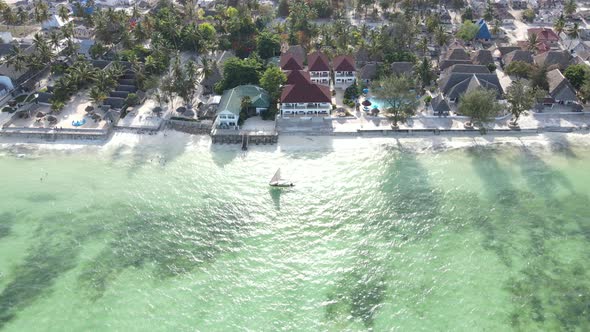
[
  {"x": 317, "y": 74},
  {"x": 306, "y": 106}
]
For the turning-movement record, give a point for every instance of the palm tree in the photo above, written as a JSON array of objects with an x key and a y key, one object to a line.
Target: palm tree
[
  {"x": 71, "y": 48},
  {"x": 570, "y": 7},
  {"x": 423, "y": 45},
  {"x": 116, "y": 70},
  {"x": 22, "y": 15},
  {"x": 206, "y": 66},
  {"x": 40, "y": 11},
  {"x": 16, "y": 58},
  {"x": 82, "y": 73},
  {"x": 533, "y": 42},
  {"x": 441, "y": 36},
  {"x": 496, "y": 27},
  {"x": 104, "y": 81},
  {"x": 68, "y": 30},
  {"x": 96, "y": 95},
  {"x": 8, "y": 16},
  {"x": 42, "y": 50},
  {"x": 55, "y": 38},
  {"x": 559, "y": 24},
  {"x": 57, "y": 106},
  {"x": 64, "y": 13},
  {"x": 573, "y": 33},
  {"x": 424, "y": 70}
]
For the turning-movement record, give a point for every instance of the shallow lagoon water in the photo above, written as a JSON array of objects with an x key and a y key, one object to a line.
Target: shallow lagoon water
[{"x": 166, "y": 237}]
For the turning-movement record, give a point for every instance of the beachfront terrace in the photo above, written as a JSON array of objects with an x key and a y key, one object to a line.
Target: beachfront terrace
[{"x": 41, "y": 116}]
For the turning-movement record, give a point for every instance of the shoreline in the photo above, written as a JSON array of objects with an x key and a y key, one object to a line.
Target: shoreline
[{"x": 293, "y": 143}]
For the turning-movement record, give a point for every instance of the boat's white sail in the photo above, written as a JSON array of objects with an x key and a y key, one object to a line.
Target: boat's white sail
[{"x": 276, "y": 178}]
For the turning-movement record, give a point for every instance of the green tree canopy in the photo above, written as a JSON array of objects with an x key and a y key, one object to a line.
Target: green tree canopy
[
  {"x": 519, "y": 69},
  {"x": 528, "y": 15},
  {"x": 272, "y": 81},
  {"x": 268, "y": 44},
  {"x": 467, "y": 31},
  {"x": 480, "y": 105},
  {"x": 577, "y": 74},
  {"x": 239, "y": 72},
  {"x": 539, "y": 78},
  {"x": 570, "y": 7},
  {"x": 398, "y": 96},
  {"x": 521, "y": 98},
  {"x": 284, "y": 8}
]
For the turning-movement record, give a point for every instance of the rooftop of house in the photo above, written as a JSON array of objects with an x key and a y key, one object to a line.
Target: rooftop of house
[
  {"x": 289, "y": 62},
  {"x": 543, "y": 34},
  {"x": 561, "y": 59},
  {"x": 231, "y": 101},
  {"x": 440, "y": 105},
  {"x": 402, "y": 68},
  {"x": 457, "y": 53},
  {"x": 298, "y": 77},
  {"x": 466, "y": 68},
  {"x": 518, "y": 55},
  {"x": 456, "y": 84},
  {"x": 344, "y": 63},
  {"x": 306, "y": 93},
  {"x": 318, "y": 61},
  {"x": 298, "y": 52},
  {"x": 482, "y": 57},
  {"x": 368, "y": 71}
]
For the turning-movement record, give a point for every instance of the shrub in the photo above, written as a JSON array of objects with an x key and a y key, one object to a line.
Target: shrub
[
  {"x": 427, "y": 99},
  {"x": 352, "y": 92},
  {"x": 528, "y": 15},
  {"x": 132, "y": 99},
  {"x": 519, "y": 68}
]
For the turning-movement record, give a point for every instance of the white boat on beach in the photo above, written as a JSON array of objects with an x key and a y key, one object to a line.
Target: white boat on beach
[{"x": 277, "y": 181}]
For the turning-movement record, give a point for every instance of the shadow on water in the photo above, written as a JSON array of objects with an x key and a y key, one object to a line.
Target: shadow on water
[
  {"x": 540, "y": 177},
  {"x": 548, "y": 292},
  {"x": 502, "y": 209},
  {"x": 561, "y": 145},
  {"x": 41, "y": 197},
  {"x": 224, "y": 157},
  {"x": 143, "y": 153},
  {"x": 170, "y": 244},
  {"x": 275, "y": 194},
  {"x": 7, "y": 220},
  {"x": 409, "y": 211},
  {"x": 360, "y": 293},
  {"x": 51, "y": 257},
  {"x": 412, "y": 206}
]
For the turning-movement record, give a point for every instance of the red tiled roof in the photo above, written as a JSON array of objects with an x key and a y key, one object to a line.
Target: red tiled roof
[
  {"x": 289, "y": 62},
  {"x": 541, "y": 46},
  {"x": 298, "y": 77},
  {"x": 543, "y": 34},
  {"x": 318, "y": 62},
  {"x": 344, "y": 63},
  {"x": 306, "y": 93}
]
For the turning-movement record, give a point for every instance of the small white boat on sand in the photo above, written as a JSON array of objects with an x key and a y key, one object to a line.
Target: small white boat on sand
[{"x": 277, "y": 181}]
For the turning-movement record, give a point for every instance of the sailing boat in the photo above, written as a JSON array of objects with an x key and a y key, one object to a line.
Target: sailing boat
[{"x": 276, "y": 180}]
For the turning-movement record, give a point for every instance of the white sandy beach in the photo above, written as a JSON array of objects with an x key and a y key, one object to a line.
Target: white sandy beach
[{"x": 293, "y": 143}]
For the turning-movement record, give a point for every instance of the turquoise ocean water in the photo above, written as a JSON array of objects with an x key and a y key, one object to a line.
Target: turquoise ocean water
[{"x": 186, "y": 238}]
